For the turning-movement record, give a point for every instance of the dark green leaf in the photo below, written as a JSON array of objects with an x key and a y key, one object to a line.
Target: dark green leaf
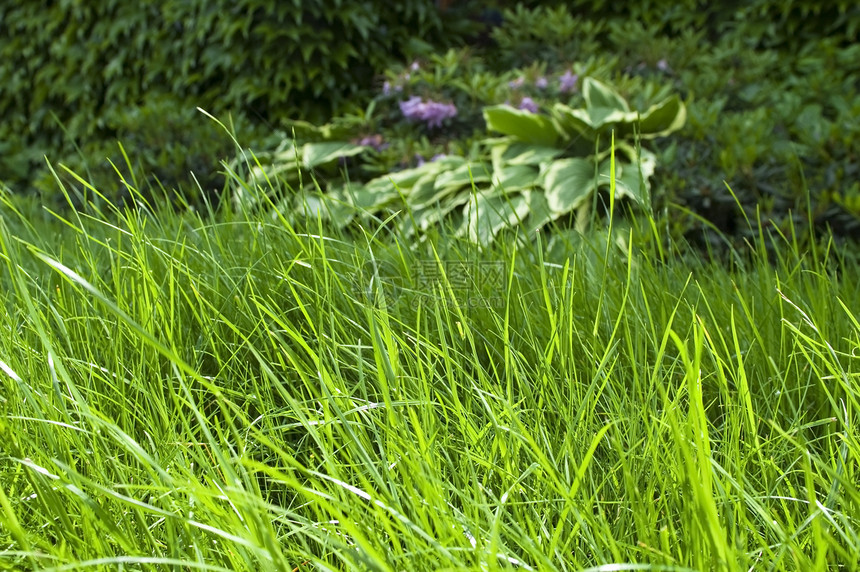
[
  {"x": 663, "y": 118},
  {"x": 539, "y": 212}
]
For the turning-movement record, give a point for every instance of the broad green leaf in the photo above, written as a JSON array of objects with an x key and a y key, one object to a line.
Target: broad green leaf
[
  {"x": 647, "y": 163},
  {"x": 315, "y": 154},
  {"x": 304, "y": 130},
  {"x": 634, "y": 181},
  {"x": 601, "y": 117},
  {"x": 447, "y": 162},
  {"x": 628, "y": 185},
  {"x": 406, "y": 178},
  {"x": 328, "y": 207},
  {"x": 287, "y": 150},
  {"x": 539, "y": 213},
  {"x": 515, "y": 177},
  {"x": 629, "y": 182},
  {"x": 663, "y": 118},
  {"x": 271, "y": 175},
  {"x": 372, "y": 196},
  {"x": 426, "y": 192},
  {"x": 604, "y": 171},
  {"x": 282, "y": 171},
  {"x": 623, "y": 150},
  {"x": 568, "y": 183},
  {"x": 488, "y": 213},
  {"x": 572, "y": 122},
  {"x": 497, "y": 152},
  {"x": 632, "y": 155},
  {"x": 519, "y": 153},
  {"x": 432, "y": 213},
  {"x": 309, "y": 132},
  {"x": 598, "y": 95},
  {"x": 525, "y": 126},
  {"x": 464, "y": 175}
]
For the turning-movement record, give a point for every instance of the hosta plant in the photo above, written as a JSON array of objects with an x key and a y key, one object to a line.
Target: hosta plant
[
  {"x": 540, "y": 168},
  {"x": 567, "y": 152}
]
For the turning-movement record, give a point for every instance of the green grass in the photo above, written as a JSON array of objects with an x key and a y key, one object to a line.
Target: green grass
[{"x": 184, "y": 394}]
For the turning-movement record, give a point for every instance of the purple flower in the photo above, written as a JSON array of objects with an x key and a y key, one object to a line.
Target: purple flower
[
  {"x": 663, "y": 65},
  {"x": 517, "y": 83},
  {"x": 415, "y": 66},
  {"x": 412, "y": 107},
  {"x": 431, "y": 112},
  {"x": 567, "y": 82},
  {"x": 528, "y": 104},
  {"x": 541, "y": 82}
]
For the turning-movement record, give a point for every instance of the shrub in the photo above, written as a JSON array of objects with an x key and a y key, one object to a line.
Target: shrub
[
  {"x": 67, "y": 67},
  {"x": 542, "y": 168}
]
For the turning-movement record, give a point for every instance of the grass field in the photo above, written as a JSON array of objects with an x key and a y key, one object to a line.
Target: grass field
[{"x": 189, "y": 392}]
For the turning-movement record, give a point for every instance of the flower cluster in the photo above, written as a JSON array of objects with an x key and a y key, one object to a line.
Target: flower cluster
[
  {"x": 431, "y": 112},
  {"x": 567, "y": 82},
  {"x": 528, "y": 104}
]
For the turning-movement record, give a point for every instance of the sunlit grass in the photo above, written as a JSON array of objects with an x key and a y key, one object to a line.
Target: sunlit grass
[{"x": 231, "y": 392}]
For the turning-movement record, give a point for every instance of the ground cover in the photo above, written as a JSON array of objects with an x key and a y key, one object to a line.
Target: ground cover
[{"x": 225, "y": 391}]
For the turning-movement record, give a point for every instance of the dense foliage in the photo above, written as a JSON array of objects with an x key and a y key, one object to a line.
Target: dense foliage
[
  {"x": 71, "y": 73},
  {"x": 540, "y": 169},
  {"x": 770, "y": 91}
]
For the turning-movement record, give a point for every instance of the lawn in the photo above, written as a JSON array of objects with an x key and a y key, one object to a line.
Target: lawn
[{"x": 235, "y": 391}]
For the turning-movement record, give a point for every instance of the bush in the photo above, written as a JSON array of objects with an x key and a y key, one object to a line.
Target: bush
[
  {"x": 67, "y": 67},
  {"x": 774, "y": 118}
]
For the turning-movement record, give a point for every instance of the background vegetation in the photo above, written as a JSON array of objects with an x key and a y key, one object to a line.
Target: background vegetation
[
  {"x": 76, "y": 75},
  {"x": 770, "y": 90}
]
